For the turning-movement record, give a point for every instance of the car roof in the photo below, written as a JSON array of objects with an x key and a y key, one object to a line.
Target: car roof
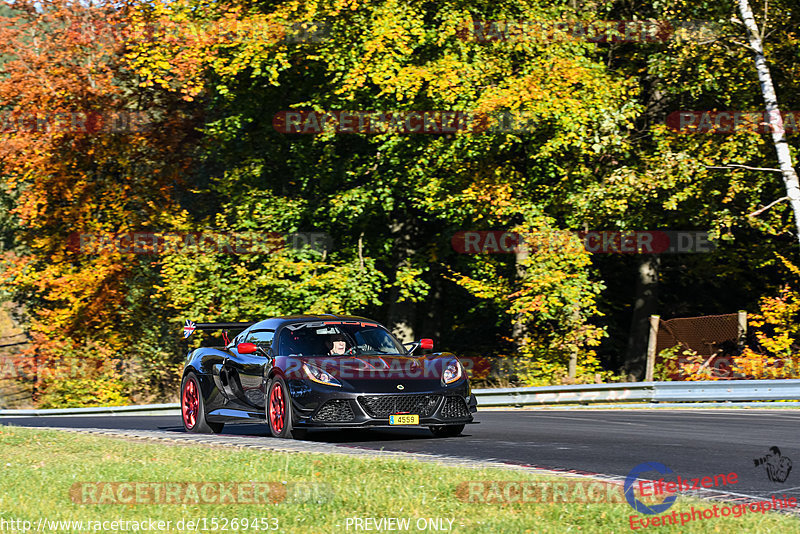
[{"x": 274, "y": 323}]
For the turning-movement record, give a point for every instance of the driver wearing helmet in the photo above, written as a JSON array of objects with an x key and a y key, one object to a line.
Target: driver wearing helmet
[{"x": 336, "y": 344}]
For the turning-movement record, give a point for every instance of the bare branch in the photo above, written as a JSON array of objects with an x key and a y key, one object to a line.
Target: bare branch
[
  {"x": 768, "y": 206},
  {"x": 736, "y": 166},
  {"x": 743, "y": 45}
]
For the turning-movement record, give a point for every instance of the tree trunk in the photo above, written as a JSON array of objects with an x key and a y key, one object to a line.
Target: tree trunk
[
  {"x": 519, "y": 328},
  {"x": 401, "y": 316},
  {"x": 775, "y": 119},
  {"x": 646, "y": 305}
]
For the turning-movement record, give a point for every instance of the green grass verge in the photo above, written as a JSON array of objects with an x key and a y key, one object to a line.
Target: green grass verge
[{"x": 39, "y": 467}]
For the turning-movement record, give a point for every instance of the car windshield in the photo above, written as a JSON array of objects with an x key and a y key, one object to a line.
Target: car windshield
[{"x": 331, "y": 338}]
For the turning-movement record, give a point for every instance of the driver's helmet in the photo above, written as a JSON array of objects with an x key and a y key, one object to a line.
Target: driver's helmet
[{"x": 334, "y": 337}]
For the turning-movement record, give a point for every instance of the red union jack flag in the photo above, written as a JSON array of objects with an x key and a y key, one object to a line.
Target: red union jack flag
[{"x": 188, "y": 328}]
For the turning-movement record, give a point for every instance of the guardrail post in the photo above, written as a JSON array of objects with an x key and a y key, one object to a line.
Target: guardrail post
[
  {"x": 742, "y": 340},
  {"x": 651, "y": 347}
]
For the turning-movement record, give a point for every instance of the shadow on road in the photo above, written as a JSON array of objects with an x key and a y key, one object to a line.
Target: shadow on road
[{"x": 355, "y": 435}]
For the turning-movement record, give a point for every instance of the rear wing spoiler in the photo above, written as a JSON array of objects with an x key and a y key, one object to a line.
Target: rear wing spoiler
[{"x": 190, "y": 327}]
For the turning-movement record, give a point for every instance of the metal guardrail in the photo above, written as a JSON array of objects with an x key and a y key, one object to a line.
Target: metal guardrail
[
  {"x": 142, "y": 409},
  {"x": 621, "y": 392},
  {"x": 727, "y": 390},
  {"x": 574, "y": 393},
  {"x": 647, "y": 392}
]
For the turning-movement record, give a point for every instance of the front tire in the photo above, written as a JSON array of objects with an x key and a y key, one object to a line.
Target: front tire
[
  {"x": 193, "y": 410},
  {"x": 300, "y": 433},
  {"x": 446, "y": 431},
  {"x": 279, "y": 409}
]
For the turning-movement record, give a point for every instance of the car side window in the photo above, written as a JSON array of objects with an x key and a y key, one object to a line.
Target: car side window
[
  {"x": 287, "y": 343},
  {"x": 238, "y": 339},
  {"x": 262, "y": 338}
]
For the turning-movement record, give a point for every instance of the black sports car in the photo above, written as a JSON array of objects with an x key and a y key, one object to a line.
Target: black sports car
[{"x": 321, "y": 371}]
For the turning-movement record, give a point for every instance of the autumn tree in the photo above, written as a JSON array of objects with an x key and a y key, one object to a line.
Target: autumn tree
[{"x": 85, "y": 151}]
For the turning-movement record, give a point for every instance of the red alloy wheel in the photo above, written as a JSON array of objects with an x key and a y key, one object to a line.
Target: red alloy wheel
[
  {"x": 276, "y": 408},
  {"x": 191, "y": 403}
]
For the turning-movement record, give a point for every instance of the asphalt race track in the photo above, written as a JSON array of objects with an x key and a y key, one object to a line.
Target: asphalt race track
[{"x": 693, "y": 443}]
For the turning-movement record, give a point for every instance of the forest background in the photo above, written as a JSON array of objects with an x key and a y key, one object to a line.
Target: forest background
[{"x": 166, "y": 118}]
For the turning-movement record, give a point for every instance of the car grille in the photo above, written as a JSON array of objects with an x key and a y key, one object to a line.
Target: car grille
[
  {"x": 335, "y": 411},
  {"x": 455, "y": 408},
  {"x": 384, "y": 405}
]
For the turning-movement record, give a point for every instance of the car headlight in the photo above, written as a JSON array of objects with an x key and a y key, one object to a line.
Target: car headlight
[
  {"x": 320, "y": 376},
  {"x": 452, "y": 372}
]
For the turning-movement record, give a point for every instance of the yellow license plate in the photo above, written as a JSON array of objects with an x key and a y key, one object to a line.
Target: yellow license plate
[{"x": 404, "y": 419}]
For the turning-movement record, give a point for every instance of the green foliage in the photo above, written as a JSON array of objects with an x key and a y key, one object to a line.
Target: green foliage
[
  {"x": 551, "y": 304},
  {"x": 539, "y": 365},
  {"x": 68, "y": 376},
  {"x": 84, "y": 392},
  {"x": 677, "y": 363}
]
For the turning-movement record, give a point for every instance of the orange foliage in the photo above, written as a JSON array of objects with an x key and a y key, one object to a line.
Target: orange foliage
[{"x": 83, "y": 150}]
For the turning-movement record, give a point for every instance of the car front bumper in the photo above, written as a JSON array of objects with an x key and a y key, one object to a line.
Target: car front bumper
[{"x": 318, "y": 406}]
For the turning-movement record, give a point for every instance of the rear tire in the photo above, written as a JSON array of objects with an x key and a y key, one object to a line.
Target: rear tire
[
  {"x": 446, "y": 431},
  {"x": 279, "y": 409},
  {"x": 193, "y": 411}
]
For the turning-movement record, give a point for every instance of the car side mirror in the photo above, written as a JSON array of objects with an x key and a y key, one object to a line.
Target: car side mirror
[
  {"x": 426, "y": 344},
  {"x": 246, "y": 348}
]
